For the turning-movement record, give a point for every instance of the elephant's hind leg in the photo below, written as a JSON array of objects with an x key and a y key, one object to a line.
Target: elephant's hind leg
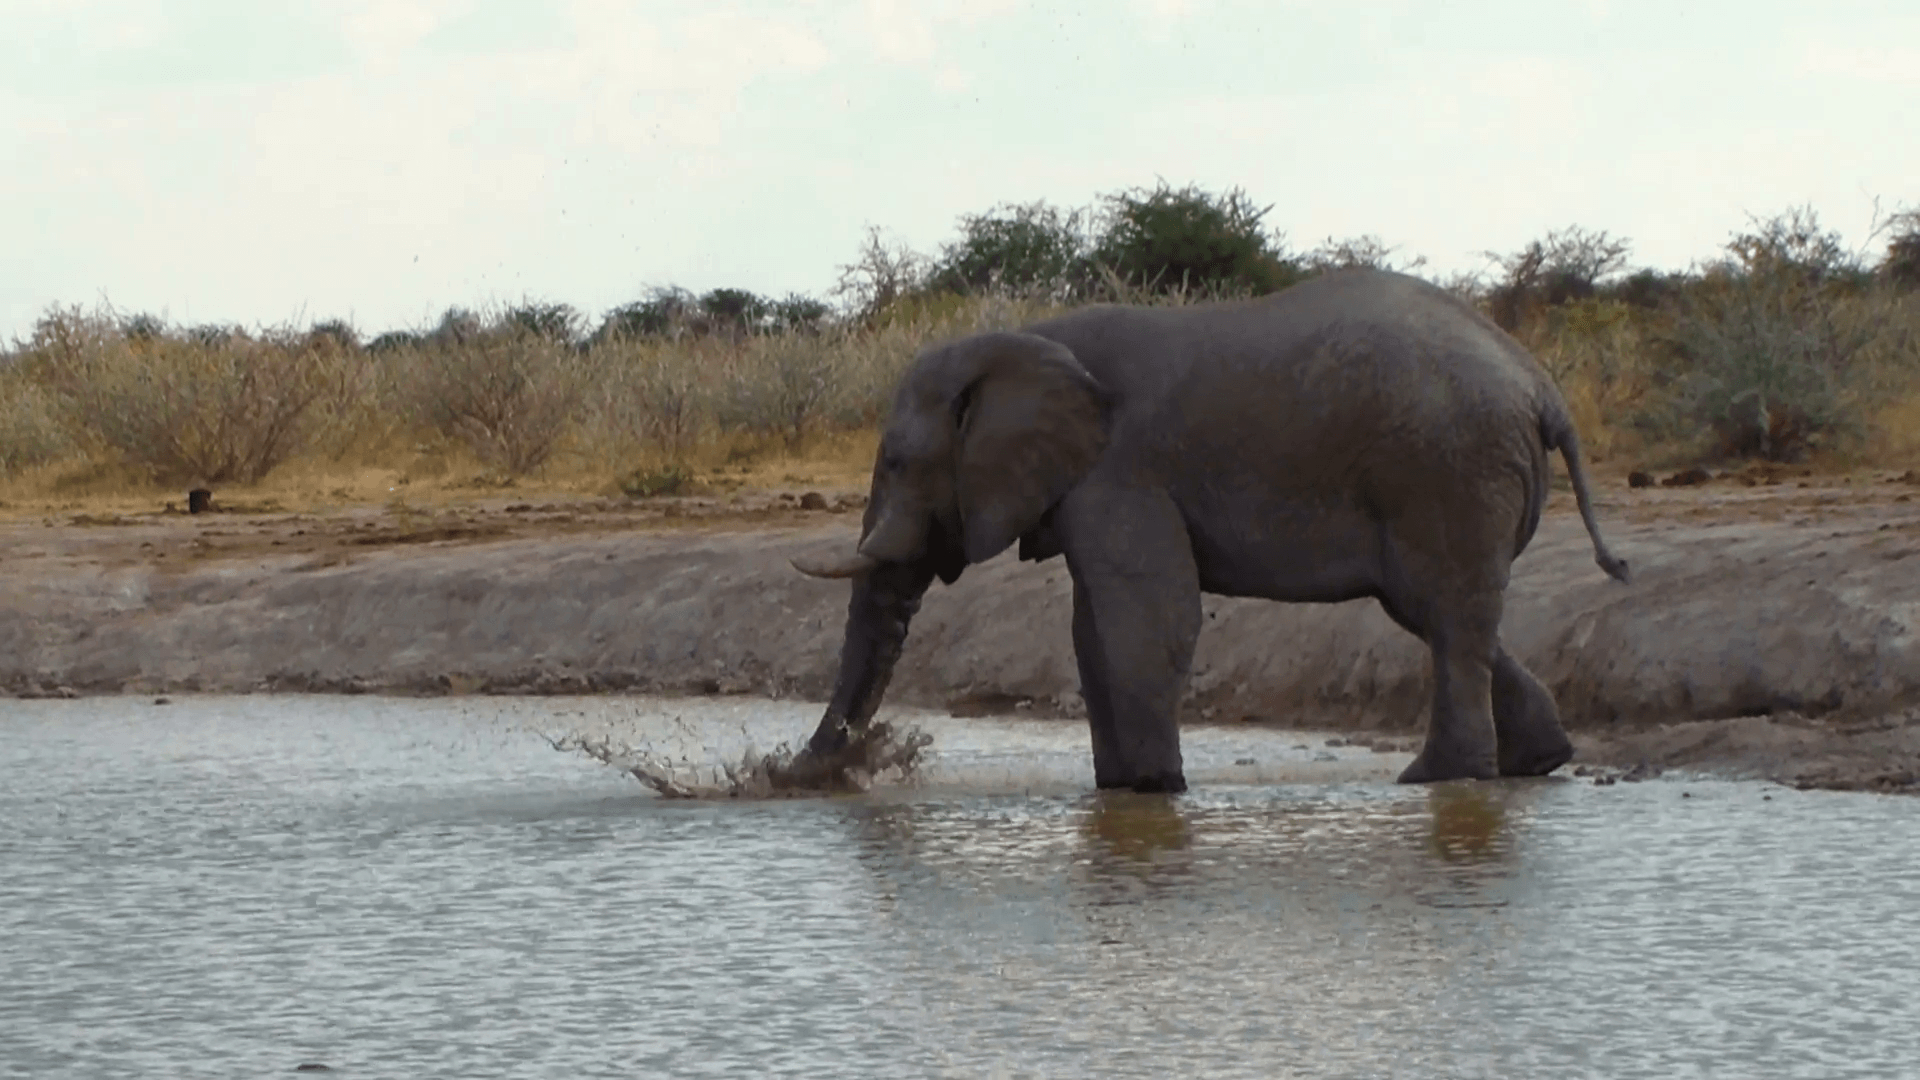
[
  {"x": 1461, "y": 741},
  {"x": 1460, "y": 622},
  {"x": 1527, "y": 722}
]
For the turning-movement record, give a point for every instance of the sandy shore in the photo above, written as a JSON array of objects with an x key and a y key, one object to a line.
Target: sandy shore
[{"x": 1773, "y": 627}]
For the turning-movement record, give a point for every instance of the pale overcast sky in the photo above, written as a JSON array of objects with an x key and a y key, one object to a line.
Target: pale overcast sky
[{"x": 259, "y": 160}]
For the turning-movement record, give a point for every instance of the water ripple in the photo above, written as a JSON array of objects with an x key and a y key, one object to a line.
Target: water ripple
[{"x": 404, "y": 888}]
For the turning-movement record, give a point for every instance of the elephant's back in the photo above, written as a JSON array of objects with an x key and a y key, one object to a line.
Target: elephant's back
[
  {"x": 1359, "y": 384},
  {"x": 1340, "y": 335}
]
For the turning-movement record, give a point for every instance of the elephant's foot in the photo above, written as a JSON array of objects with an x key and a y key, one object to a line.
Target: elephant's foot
[
  {"x": 1437, "y": 763},
  {"x": 1526, "y": 722},
  {"x": 1170, "y": 783},
  {"x": 838, "y": 751},
  {"x": 1537, "y": 756}
]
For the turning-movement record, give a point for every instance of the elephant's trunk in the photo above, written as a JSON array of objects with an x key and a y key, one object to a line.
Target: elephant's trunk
[{"x": 884, "y": 601}]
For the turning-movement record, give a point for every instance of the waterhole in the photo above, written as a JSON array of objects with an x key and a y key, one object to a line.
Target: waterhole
[{"x": 239, "y": 886}]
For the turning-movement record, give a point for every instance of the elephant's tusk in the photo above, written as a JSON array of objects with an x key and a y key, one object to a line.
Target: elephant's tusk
[{"x": 848, "y": 567}]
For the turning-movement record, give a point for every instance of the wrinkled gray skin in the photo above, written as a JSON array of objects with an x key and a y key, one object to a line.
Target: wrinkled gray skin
[{"x": 1362, "y": 434}]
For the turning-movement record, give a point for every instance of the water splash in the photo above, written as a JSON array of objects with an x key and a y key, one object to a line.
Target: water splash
[{"x": 879, "y": 751}]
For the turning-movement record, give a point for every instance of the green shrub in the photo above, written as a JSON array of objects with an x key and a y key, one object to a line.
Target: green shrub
[
  {"x": 1766, "y": 349},
  {"x": 1021, "y": 249},
  {"x": 1166, "y": 239}
]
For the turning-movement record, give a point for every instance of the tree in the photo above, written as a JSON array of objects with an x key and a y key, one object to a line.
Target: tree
[
  {"x": 662, "y": 311},
  {"x": 799, "y": 312},
  {"x": 457, "y": 326},
  {"x": 1792, "y": 245},
  {"x": 210, "y": 335},
  {"x": 1569, "y": 264},
  {"x": 394, "y": 340},
  {"x": 143, "y": 327},
  {"x": 337, "y": 333},
  {"x": 1021, "y": 247},
  {"x": 559, "y": 323},
  {"x": 733, "y": 311},
  {"x": 1360, "y": 252},
  {"x": 1901, "y": 265},
  {"x": 1168, "y": 239},
  {"x": 880, "y": 274}
]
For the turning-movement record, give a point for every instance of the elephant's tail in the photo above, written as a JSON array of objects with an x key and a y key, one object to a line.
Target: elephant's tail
[{"x": 1556, "y": 431}]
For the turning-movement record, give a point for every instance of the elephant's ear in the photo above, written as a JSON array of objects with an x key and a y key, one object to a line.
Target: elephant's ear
[{"x": 1031, "y": 426}]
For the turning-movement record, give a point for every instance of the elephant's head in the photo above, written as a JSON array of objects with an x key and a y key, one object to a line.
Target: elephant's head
[{"x": 986, "y": 434}]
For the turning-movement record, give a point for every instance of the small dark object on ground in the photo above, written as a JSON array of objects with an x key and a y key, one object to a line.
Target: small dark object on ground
[
  {"x": 312, "y": 1066},
  {"x": 199, "y": 501},
  {"x": 163, "y": 701},
  {"x": 1688, "y": 478},
  {"x": 1638, "y": 479},
  {"x": 1244, "y": 761},
  {"x": 813, "y": 500}
]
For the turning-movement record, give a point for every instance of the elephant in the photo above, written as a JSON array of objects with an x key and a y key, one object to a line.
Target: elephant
[{"x": 1360, "y": 434}]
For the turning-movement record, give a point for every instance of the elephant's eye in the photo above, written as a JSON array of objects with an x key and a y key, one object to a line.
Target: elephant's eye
[{"x": 892, "y": 462}]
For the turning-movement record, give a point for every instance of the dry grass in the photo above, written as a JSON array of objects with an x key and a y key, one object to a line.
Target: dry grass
[
  {"x": 1837, "y": 386},
  {"x": 274, "y": 419}
]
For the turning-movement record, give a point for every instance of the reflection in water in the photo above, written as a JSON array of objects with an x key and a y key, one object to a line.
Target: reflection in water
[
  {"x": 398, "y": 888},
  {"x": 1135, "y": 828},
  {"x": 1469, "y": 821}
]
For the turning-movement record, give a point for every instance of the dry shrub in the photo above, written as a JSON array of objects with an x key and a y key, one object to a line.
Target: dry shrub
[
  {"x": 783, "y": 385},
  {"x": 792, "y": 387},
  {"x": 1595, "y": 350},
  {"x": 510, "y": 396},
  {"x": 354, "y": 415},
  {"x": 651, "y": 393},
  {"x": 203, "y": 410},
  {"x": 30, "y": 433}
]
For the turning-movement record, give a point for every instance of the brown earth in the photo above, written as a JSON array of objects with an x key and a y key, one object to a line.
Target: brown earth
[{"x": 1772, "y": 629}]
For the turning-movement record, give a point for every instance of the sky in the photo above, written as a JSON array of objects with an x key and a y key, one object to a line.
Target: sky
[{"x": 272, "y": 161}]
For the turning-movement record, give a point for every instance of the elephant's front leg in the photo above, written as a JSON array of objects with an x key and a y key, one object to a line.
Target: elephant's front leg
[
  {"x": 1110, "y": 769},
  {"x": 1136, "y": 620}
]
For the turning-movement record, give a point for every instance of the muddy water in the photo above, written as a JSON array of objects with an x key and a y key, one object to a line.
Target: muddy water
[{"x": 234, "y": 887}]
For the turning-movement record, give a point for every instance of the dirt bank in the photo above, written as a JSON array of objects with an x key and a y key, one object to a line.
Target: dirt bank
[{"x": 1773, "y": 626}]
